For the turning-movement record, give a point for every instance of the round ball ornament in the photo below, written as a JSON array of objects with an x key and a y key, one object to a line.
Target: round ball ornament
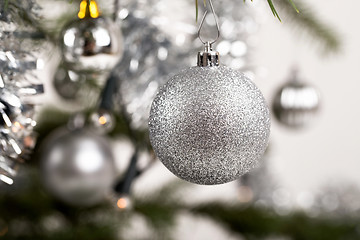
[
  {"x": 78, "y": 166},
  {"x": 68, "y": 83},
  {"x": 92, "y": 43},
  {"x": 209, "y": 124},
  {"x": 296, "y": 103}
]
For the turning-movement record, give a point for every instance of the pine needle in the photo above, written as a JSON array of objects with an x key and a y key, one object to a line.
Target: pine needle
[
  {"x": 293, "y": 5},
  {"x": 197, "y": 8},
  {"x": 273, "y": 9}
]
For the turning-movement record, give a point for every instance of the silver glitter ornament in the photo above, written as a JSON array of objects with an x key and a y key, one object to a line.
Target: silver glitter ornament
[
  {"x": 209, "y": 124},
  {"x": 78, "y": 166},
  {"x": 91, "y": 45},
  {"x": 296, "y": 103}
]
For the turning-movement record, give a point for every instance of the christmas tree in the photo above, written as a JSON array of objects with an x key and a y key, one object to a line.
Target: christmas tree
[{"x": 110, "y": 60}]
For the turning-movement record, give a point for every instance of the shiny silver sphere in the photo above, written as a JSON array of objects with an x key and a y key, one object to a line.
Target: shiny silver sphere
[
  {"x": 91, "y": 45},
  {"x": 296, "y": 104},
  {"x": 68, "y": 83},
  {"x": 77, "y": 166},
  {"x": 209, "y": 125}
]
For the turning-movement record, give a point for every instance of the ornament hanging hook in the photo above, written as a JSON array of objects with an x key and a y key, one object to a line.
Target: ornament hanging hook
[{"x": 202, "y": 24}]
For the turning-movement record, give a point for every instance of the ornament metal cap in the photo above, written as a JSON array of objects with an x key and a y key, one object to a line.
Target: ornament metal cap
[{"x": 208, "y": 57}]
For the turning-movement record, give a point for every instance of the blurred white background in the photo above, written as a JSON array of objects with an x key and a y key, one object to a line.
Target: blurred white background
[{"x": 327, "y": 151}]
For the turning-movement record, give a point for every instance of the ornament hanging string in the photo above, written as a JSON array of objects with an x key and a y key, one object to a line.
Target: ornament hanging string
[{"x": 202, "y": 24}]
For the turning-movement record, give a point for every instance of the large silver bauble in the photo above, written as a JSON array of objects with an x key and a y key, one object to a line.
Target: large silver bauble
[
  {"x": 91, "y": 45},
  {"x": 209, "y": 125},
  {"x": 296, "y": 104},
  {"x": 77, "y": 166}
]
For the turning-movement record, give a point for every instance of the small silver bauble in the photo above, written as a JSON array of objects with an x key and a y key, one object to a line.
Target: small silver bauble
[
  {"x": 91, "y": 45},
  {"x": 209, "y": 124},
  {"x": 68, "y": 83},
  {"x": 78, "y": 166},
  {"x": 77, "y": 88},
  {"x": 296, "y": 104}
]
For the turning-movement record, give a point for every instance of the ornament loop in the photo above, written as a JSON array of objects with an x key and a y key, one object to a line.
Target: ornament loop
[{"x": 202, "y": 23}]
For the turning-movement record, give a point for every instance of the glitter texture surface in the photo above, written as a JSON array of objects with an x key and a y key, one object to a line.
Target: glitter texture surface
[{"x": 209, "y": 125}]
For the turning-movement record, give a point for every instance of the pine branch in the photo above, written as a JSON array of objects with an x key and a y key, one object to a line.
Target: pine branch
[
  {"x": 248, "y": 220},
  {"x": 160, "y": 208},
  {"x": 273, "y": 9},
  {"x": 308, "y": 22},
  {"x": 260, "y": 222}
]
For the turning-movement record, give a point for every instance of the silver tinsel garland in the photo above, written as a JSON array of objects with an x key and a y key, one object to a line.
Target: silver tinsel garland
[{"x": 17, "y": 83}]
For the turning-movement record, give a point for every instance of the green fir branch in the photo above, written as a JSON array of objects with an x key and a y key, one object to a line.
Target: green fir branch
[
  {"x": 272, "y": 7},
  {"x": 258, "y": 223},
  {"x": 294, "y": 6},
  {"x": 27, "y": 201},
  {"x": 274, "y": 11},
  {"x": 309, "y": 23}
]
